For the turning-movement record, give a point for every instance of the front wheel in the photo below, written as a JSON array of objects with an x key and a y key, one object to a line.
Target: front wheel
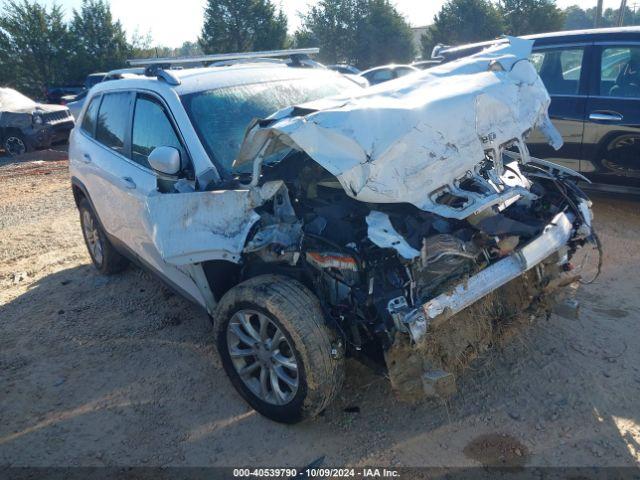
[
  {"x": 16, "y": 144},
  {"x": 275, "y": 347}
]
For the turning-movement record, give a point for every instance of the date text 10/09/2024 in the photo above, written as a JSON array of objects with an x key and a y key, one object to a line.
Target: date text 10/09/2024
[{"x": 292, "y": 473}]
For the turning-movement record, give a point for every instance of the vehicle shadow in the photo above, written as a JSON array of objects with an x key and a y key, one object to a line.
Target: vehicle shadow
[
  {"x": 95, "y": 366},
  {"x": 54, "y": 153}
]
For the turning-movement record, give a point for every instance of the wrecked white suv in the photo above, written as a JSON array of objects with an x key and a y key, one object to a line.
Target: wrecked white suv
[{"x": 313, "y": 219}]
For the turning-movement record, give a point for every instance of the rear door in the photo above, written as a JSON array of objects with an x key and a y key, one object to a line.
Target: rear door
[
  {"x": 99, "y": 150},
  {"x": 612, "y": 132},
  {"x": 563, "y": 70}
]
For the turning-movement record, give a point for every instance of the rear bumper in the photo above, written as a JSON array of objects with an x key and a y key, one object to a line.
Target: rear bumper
[{"x": 555, "y": 236}]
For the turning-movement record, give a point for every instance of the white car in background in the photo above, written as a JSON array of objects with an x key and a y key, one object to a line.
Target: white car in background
[{"x": 387, "y": 72}]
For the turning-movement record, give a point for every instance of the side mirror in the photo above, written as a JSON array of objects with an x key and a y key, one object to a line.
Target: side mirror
[{"x": 165, "y": 160}]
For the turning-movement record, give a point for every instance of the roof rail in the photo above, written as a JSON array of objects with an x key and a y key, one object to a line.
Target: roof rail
[
  {"x": 294, "y": 54},
  {"x": 161, "y": 74}
]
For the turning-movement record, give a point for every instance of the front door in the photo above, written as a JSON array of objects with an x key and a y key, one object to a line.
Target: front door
[{"x": 151, "y": 127}]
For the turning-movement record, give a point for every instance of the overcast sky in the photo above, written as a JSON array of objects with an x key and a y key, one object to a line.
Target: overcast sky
[{"x": 173, "y": 22}]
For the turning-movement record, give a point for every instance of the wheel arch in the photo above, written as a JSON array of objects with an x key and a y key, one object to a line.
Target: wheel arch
[
  {"x": 80, "y": 192},
  {"x": 223, "y": 275},
  {"x": 5, "y": 131}
]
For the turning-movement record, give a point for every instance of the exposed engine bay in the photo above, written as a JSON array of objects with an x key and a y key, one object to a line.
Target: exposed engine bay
[
  {"x": 423, "y": 239},
  {"x": 378, "y": 268}
]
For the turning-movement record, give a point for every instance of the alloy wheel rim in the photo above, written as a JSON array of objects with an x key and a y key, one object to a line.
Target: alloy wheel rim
[
  {"x": 262, "y": 356},
  {"x": 15, "y": 146},
  {"x": 614, "y": 162},
  {"x": 92, "y": 236}
]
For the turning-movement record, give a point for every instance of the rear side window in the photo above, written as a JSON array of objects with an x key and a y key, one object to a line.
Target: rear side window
[
  {"x": 113, "y": 119},
  {"x": 559, "y": 69},
  {"x": 89, "y": 119},
  {"x": 151, "y": 128}
]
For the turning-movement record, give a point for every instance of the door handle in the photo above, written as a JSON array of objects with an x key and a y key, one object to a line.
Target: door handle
[
  {"x": 605, "y": 117},
  {"x": 129, "y": 183},
  {"x": 86, "y": 158}
]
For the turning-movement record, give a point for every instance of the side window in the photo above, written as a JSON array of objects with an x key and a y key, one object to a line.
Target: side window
[
  {"x": 620, "y": 72},
  {"x": 402, "y": 71},
  {"x": 559, "y": 69},
  {"x": 151, "y": 129},
  {"x": 112, "y": 120},
  {"x": 380, "y": 76},
  {"x": 89, "y": 119},
  {"x": 536, "y": 59}
]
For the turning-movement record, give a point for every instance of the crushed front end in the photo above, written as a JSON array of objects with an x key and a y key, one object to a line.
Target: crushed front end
[
  {"x": 421, "y": 293},
  {"x": 417, "y": 215}
]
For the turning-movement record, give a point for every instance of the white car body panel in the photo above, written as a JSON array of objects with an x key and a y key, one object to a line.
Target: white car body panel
[{"x": 185, "y": 229}]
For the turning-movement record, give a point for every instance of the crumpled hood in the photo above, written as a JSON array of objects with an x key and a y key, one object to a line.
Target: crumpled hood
[
  {"x": 410, "y": 139},
  {"x": 13, "y": 101},
  {"x": 50, "y": 107}
]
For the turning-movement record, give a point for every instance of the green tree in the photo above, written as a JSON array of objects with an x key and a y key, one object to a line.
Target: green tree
[
  {"x": 242, "y": 25},
  {"x": 360, "y": 32},
  {"x": 142, "y": 48},
  {"x": 463, "y": 21},
  {"x": 332, "y": 26},
  {"x": 34, "y": 46},
  {"x": 524, "y": 17},
  {"x": 383, "y": 35},
  {"x": 188, "y": 49},
  {"x": 576, "y": 18},
  {"x": 100, "y": 43}
]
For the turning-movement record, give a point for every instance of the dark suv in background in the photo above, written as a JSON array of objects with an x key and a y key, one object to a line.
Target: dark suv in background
[
  {"x": 593, "y": 77},
  {"x": 26, "y": 125}
]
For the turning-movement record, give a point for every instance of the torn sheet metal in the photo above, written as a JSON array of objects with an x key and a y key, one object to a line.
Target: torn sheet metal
[
  {"x": 412, "y": 139},
  {"x": 282, "y": 234},
  {"x": 193, "y": 227},
  {"x": 381, "y": 232},
  {"x": 554, "y": 237}
]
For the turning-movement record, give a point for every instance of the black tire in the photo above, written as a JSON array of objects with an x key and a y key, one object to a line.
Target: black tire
[
  {"x": 109, "y": 261},
  {"x": 15, "y": 144},
  {"x": 291, "y": 307}
]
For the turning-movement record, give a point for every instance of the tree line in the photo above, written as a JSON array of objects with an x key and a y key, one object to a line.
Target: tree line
[
  {"x": 41, "y": 46},
  {"x": 466, "y": 21}
]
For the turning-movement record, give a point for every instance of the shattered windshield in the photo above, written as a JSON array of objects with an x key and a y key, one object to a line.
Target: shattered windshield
[{"x": 221, "y": 116}]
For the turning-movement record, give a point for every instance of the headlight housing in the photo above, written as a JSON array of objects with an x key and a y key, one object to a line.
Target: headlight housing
[{"x": 37, "y": 119}]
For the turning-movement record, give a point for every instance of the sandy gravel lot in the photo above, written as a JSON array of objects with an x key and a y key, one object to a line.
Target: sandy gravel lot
[{"x": 120, "y": 371}]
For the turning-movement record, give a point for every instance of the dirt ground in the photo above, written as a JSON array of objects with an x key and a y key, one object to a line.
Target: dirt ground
[{"x": 120, "y": 371}]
